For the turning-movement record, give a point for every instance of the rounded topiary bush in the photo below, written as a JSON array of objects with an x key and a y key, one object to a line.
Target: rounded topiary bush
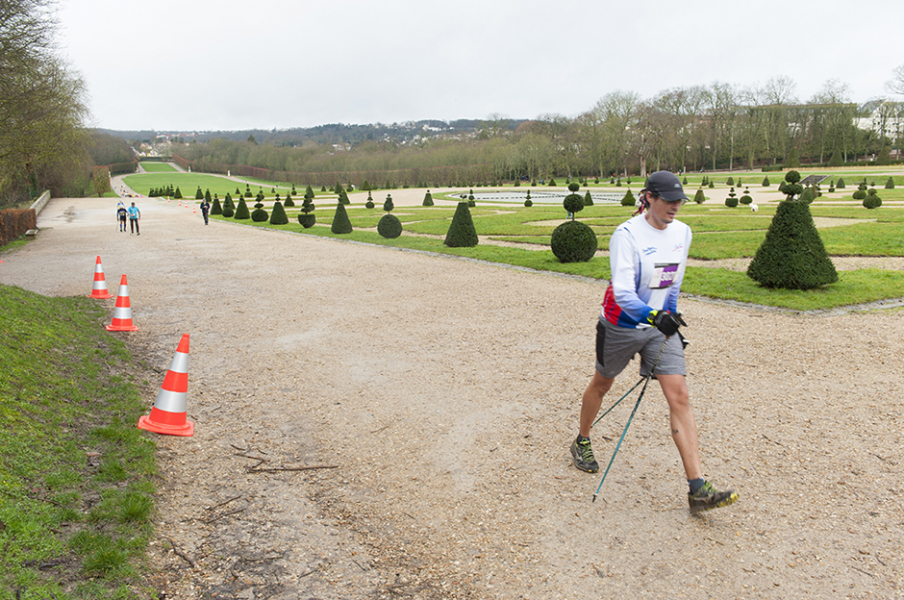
[
  {"x": 731, "y": 201},
  {"x": 259, "y": 215},
  {"x": 307, "y": 220},
  {"x": 573, "y": 241},
  {"x": 389, "y": 226},
  {"x": 278, "y": 216},
  {"x": 628, "y": 199},
  {"x": 241, "y": 211},
  {"x": 341, "y": 223},
  {"x": 528, "y": 203},
  {"x": 790, "y": 186},
  {"x": 462, "y": 233},
  {"x": 746, "y": 199},
  {"x": 872, "y": 199},
  {"x": 859, "y": 195},
  {"x": 573, "y": 203}
]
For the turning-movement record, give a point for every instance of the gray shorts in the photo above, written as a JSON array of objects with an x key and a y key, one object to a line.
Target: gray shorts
[{"x": 616, "y": 346}]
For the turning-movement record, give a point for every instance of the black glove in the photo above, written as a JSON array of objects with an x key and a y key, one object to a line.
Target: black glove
[{"x": 666, "y": 322}]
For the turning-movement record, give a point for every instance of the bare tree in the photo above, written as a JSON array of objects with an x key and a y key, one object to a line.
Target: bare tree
[{"x": 896, "y": 84}]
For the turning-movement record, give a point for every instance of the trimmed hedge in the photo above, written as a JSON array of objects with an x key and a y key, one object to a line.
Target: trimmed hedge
[
  {"x": 259, "y": 215},
  {"x": 15, "y": 222},
  {"x": 792, "y": 256},
  {"x": 341, "y": 222},
  {"x": 389, "y": 226},
  {"x": 278, "y": 216},
  {"x": 462, "y": 233},
  {"x": 872, "y": 199},
  {"x": 573, "y": 241}
]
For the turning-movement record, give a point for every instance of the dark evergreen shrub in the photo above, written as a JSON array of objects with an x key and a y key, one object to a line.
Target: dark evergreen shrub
[
  {"x": 731, "y": 201},
  {"x": 199, "y": 195},
  {"x": 552, "y": 182},
  {"x": 387, "y": 204},
  {"x": 389, "y": 226},
  {"x": 370, "y": 201},
  {"x": 307, "y": 220},
  {"x": 309, "y": 193},
  {"x": 278, "y": 216},
  {"x": 765, "y": 181},
  {"x": 341, "y": 223},
  {"x": 746, "y": 199},
  {"x": 574, "y": 187},
  {"x": 343, "y": 196},
  {"x": 573, "y": 241},
  {"x": 872, "y": 199},
  {"x": 259, "y": 215},
  {"x": 792, "y": 256},
  {"x": 835, "y": 160},
  {"x": 806, "y": 195},
  {"x": 699, "y": 197},
  {"x": 793, "y": 161},
  {"x": 711, "y": 184},
  {"x": 241, "y": 211},
  {"x": 618, "y": 182},
  {"x": 207, "y": 194},
  {"x": 461, "y": 232},
  {"x": 840, "y": 184},
  {"x": 428, "y": 199},
  {"x": 859, "y": 195},
  {"x": 289, "y": 201},
  {"x": 791, "y": 186},
  {"x": 588, "y": 200},
  {"x": 533, "y": 183},
  {"x": 177, "y": 194},
  {"x": 216, "y": 209},
  {"x": 628, "y": 199},
  {"x": 573, "y": 203},
  {"x": 228, "y": 207},
  {"x": 730, "y": 181},
  {"x": 739, "y": 182},
  {"x": 528, "y": 202},
  {"x": 684, "y": 181},
  {"x": 322, "y": 188},
  {"x": 890, "y": 184},
  {"x": 611, "y": 180}
]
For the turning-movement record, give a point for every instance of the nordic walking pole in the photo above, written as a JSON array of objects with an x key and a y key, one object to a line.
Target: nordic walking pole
[
  {"x": 617, "y": 402},
  {"x": 628, "y": 424}
]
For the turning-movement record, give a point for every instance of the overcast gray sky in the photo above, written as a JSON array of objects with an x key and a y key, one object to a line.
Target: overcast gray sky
[{"x": 182, "y": 65}]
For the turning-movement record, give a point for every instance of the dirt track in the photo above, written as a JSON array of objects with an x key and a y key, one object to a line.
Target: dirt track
[{"x": 445, "y": 392}]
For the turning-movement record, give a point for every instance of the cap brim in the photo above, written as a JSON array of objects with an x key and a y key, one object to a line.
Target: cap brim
[{"x": 673, "y": 196}]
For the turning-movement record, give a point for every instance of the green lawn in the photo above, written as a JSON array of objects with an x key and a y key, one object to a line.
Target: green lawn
[
  {"x": 158, "y": 167},
  {"x": 76, "y": 474}
]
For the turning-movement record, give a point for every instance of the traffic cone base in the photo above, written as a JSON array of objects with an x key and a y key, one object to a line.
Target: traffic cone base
[
  {"x": 168, "y": 414},
  {"x": 122, "y": 314},
  {"x": 99, "y": 289}
]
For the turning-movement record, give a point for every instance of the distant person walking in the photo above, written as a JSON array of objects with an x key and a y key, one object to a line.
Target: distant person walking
[
  {"x": 121, "y": 214},
  {"x": 134, "y": 215},
  {"x": 205, "y": 209}
]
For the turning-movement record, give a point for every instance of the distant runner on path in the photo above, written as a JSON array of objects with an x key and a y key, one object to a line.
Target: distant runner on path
[{"x": 134, "y": 215}]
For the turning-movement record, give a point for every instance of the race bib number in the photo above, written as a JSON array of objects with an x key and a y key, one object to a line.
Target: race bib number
[{"x": 663, "y": 275}]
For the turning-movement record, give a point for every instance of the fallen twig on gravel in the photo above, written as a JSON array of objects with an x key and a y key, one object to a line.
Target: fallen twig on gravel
[
  {"x": 223, "y": 503},
  {"x": 182, "y": 555},
  {"x": 275, "y": 469},
  {"x": 218, "y": 517}
]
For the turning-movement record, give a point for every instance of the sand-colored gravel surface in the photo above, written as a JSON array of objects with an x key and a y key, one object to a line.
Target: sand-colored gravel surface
[{"x": 445, "y": 392}]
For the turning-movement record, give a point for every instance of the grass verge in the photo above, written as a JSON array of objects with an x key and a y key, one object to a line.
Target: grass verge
[{"x": 76, "y": 474}]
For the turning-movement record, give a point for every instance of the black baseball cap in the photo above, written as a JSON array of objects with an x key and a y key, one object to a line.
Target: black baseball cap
[{"x": 666, "y": 185}]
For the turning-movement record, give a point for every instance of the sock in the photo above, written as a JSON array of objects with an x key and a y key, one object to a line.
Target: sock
[{"x": 695, "y": 484}]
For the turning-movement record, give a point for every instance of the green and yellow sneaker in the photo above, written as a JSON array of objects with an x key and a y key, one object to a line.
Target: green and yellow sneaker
[
  {"x": 708, "y": 498},
  {"x": 583, "y": 456}
]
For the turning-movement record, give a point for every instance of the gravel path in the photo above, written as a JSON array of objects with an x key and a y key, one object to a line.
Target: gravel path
[{"x": 445, "y": 393}]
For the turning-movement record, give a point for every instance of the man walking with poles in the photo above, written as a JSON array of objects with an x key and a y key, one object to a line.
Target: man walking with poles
[{"x": 648, "y": 255}]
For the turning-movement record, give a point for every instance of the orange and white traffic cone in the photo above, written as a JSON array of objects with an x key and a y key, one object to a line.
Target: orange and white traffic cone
[
  {"x": 122, "y": 314},
  {"x": 168, "y": 414},
  {"x": 99, "y": 290}
]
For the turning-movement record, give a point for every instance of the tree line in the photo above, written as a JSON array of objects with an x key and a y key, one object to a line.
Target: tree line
[
  {"x": 721, "y": 126},
  {"x": 43, "y": 140}
]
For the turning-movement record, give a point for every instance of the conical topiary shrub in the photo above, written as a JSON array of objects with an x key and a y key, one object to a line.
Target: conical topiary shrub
[
  {"x": 890, "y": 184},
  {"x": 199, "y": 195},
  {"x": 628, "y": 199},
  {"x": 341, "y": 224},
  {"x": 428, "y": 199},
  {"x": 216, "y": 209},
  {"x": 573, "y": 241},
  {"x": 228, "y": 207},
  {"x": 241, "y": 211},
  {"x": 461, "y": 232},
  {"x": 806, "y": 195},
  {"x": 699, "y": 197},
  {"x": 289, "y": 201},
  {"x": 840, "y": 184},
  {"x": 343, "y": 196},
  {"x": 278, "y": 216},
  {"x": 588, "y": 199},
  {"x": 792, "y": 256}
]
